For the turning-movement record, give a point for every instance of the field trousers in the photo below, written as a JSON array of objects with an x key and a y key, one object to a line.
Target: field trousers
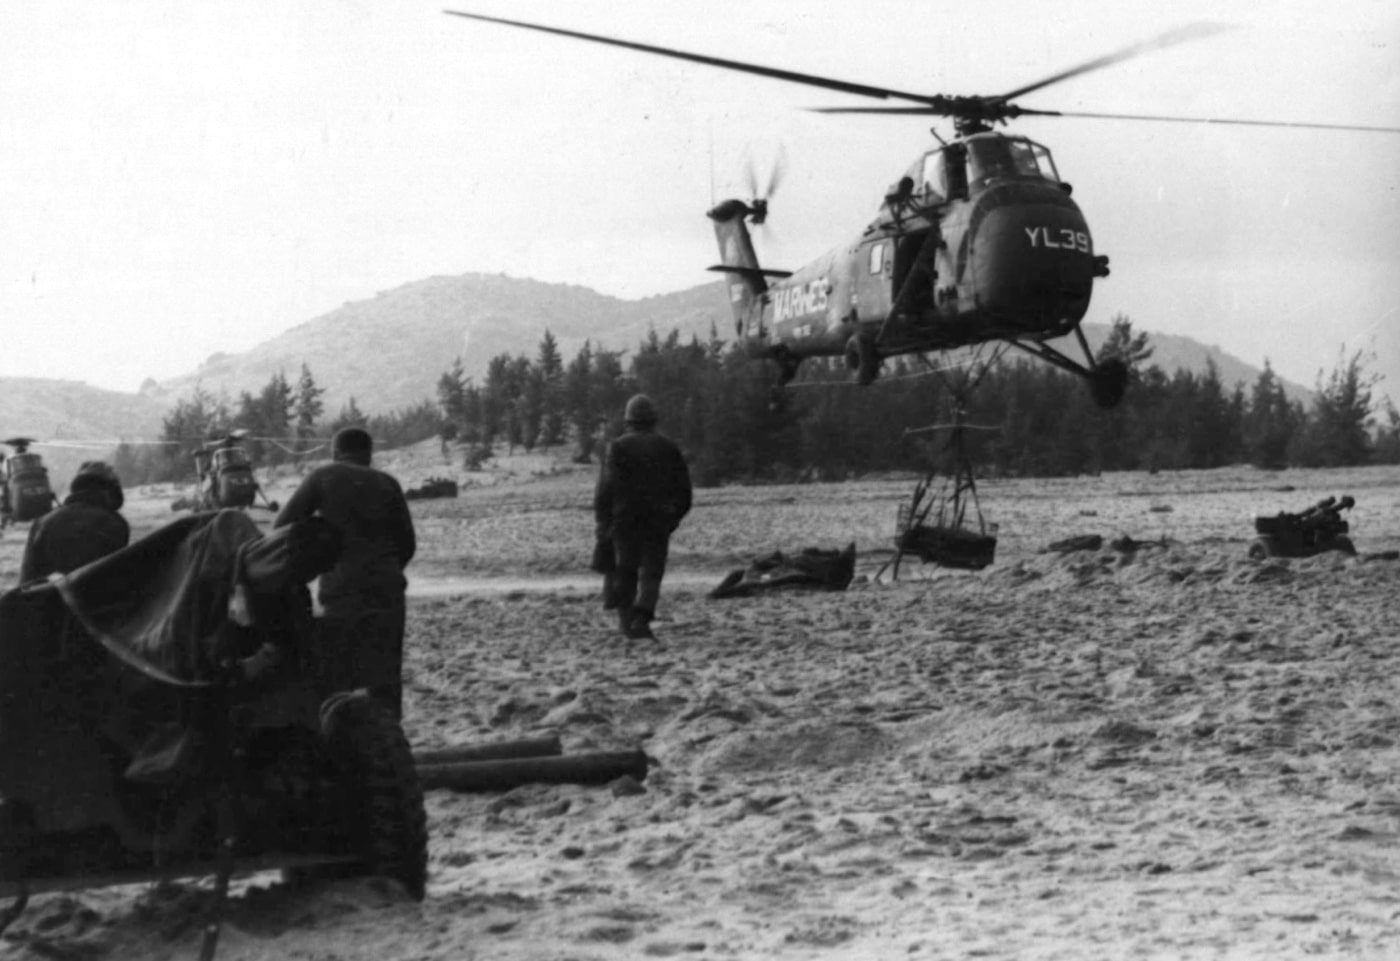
[
  {"x": 364, "y": 650},
  {"x": 640, "y": 564}
]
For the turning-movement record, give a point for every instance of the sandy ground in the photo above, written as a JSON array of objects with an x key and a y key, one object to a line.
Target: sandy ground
[{"x": 1175, "y": 752}]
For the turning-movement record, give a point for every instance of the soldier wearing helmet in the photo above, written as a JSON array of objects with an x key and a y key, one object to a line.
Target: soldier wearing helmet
[
  {"x": 83, "y": 528},
  {"x": 643, "y": 493}
]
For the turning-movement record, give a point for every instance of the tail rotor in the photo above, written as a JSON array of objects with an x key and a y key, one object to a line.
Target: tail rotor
[{"x": 762, "y": 188}]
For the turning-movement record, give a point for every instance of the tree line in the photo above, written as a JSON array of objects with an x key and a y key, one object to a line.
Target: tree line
[
  {"x": 285, "y": 423},
  {"x": 1023, "y": 418}
]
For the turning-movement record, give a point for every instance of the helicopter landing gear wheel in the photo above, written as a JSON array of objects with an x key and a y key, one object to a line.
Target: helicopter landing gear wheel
[
  {"x": 862, "y": 358},
  {"x": 1108, "y": 382}
]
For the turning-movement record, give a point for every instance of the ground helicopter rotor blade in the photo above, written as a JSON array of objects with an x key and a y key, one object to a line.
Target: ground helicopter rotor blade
[
  {"x": 1191, "y": 31},
  {"x": 811, "y": 80}
]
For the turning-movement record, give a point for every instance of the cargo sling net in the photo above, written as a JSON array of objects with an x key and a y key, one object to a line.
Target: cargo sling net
[{"x": 945, "y": 526}]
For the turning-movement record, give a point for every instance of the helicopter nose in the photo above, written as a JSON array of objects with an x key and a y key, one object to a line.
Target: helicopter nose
[{"x": 1032, "y": 265}]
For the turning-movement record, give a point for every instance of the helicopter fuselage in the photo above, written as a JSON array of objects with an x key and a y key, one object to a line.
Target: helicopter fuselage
[{"x": 978, "y": 241}]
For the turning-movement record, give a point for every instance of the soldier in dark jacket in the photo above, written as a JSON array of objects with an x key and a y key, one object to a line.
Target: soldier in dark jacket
[
  {"x": 643, "y": 493},
  {"x": 360, "y": 639},
  {"x": 85, "y": 527}
]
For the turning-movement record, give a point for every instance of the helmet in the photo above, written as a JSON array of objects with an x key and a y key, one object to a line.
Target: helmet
[
  {"x": 98, "y": 475},
  {"x": 640, "y": 411}
]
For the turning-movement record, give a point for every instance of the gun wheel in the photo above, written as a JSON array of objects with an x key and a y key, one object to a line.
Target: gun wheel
[{"x": 388, "y": 826}]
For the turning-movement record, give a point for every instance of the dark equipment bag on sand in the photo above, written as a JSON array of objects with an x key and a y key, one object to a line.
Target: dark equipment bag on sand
[{"x": 812, "y": 569}]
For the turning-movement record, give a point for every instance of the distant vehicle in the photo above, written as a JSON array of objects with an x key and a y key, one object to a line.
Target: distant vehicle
[
  {"x": 224, "y": 474},
  {"x": 26, "y": 494}
]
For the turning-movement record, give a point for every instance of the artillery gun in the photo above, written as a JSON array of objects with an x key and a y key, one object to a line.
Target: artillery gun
[
  {"x": 1318, "y": 528},
  {"x": 161, "y": 716}
]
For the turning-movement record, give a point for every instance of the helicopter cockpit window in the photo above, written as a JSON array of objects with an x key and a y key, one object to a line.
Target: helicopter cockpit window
[
  {"x": 230, "y": 457},
  {"x": 877, "y": 258},
  {"x": 996, "y": 157},
  {"x": 21, "y": 462},
  {"x": 1043, "y": 162}
]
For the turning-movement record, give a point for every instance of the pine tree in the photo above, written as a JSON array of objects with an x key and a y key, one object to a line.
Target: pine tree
[
  {"x": 577, "y": 402},
  {"x": 551, "y": 374},
  {"x": 1121, "y": 343},
  {"x": 1339, "y": 431},
  {"x": 452, "y": 391},
  {"x": 350, "y": 416},
  {"x": 308, "y": 406},
  {"x": 1270, "y": 424}
]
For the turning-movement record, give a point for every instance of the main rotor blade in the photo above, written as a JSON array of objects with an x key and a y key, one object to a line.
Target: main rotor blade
[
  {"x": 1220, "y": 120},
  {"x": 1192, "y": 31},
  {"x": 1024, "y": 112},
  {"x": 810, "y": 80},
  {"x": 1010, "y": 110}
]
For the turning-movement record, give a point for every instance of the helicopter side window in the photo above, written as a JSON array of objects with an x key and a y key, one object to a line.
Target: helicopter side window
[
  {"x": 877, "y": 259},
  {"x": 935, "y": 178}
]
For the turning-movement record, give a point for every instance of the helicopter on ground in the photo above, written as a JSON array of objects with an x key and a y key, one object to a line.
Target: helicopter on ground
[
  {"x": 25, "y": 494},
  {"x": 978, "y": 242},
  {"x": 224, "y": 475}
]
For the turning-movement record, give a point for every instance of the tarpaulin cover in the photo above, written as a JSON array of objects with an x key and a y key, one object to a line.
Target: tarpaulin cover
[
  {"x": 101, "y": 665},
  {"x": 811, "y": 569}
]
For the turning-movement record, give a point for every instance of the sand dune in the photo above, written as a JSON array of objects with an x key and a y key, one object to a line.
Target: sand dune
[{"x": 1173, "y": 752}]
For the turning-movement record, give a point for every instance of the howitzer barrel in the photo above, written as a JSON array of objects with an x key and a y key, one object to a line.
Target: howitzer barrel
[
  {"x": 501, "y": 750},
  {"x": 502, "y": 775}
]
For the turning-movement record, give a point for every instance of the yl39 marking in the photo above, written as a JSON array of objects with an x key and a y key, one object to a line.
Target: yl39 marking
[{"x": 1064, "y": 238}]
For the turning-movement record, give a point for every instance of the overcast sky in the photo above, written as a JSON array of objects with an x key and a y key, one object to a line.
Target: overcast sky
[{"x": 185, "y": 178}]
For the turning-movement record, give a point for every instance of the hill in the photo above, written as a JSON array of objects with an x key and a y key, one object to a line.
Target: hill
[
  {"x": 388, "y": 352},
  {"x": 56, "y": 411}
]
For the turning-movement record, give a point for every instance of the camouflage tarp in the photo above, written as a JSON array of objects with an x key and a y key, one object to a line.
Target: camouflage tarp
[{"x": 119, "y": 660}]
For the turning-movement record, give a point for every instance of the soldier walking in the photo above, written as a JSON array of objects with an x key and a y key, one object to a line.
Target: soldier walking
[{"x": 643, "y": 493}]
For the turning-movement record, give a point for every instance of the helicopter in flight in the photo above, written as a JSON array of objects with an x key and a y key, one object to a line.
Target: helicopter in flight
[{"x": 978, "y": 242}]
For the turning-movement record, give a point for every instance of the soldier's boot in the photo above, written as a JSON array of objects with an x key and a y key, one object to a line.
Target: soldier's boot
[
  {"x": 624, "y": 620},
  {"x": 640, "y": 626}
]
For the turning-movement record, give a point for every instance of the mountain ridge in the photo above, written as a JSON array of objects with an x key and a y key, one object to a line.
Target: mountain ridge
[{"x": 388, "y": 351}]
